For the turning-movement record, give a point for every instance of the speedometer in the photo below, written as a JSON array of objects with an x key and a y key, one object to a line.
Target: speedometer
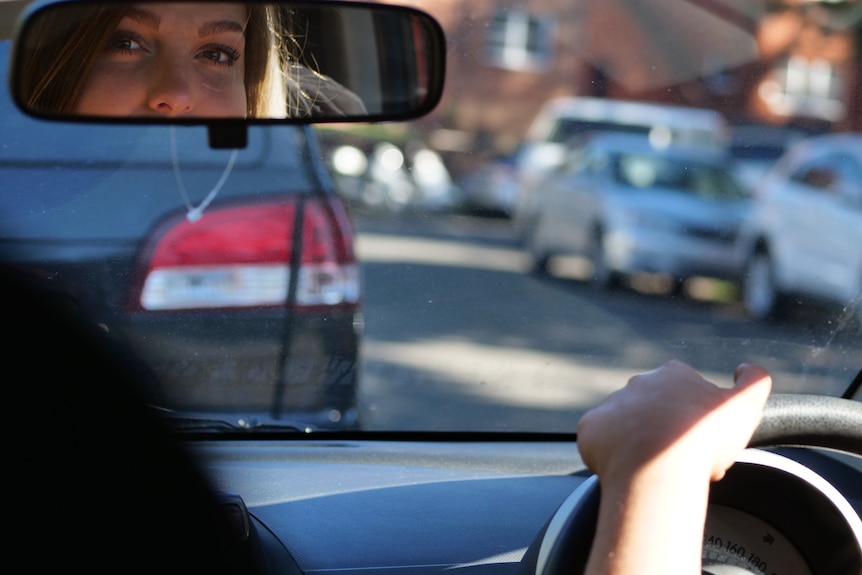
[{"x": 735, "y": 542}]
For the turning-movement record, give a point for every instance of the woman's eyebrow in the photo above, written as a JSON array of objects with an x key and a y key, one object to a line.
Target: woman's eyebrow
[
  {"x": 219, "y": 26},
  {"x": 145, "y": 17}
]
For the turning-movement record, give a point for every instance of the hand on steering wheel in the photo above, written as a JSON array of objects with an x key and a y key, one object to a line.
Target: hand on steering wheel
[{"x": 565, "y": 544}]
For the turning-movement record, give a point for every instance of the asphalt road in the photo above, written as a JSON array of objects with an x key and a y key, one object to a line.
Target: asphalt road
[{"x": 459, "y": 336}]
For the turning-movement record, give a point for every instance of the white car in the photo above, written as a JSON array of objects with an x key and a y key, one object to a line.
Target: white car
[
  {"x": 754, "y": 149},
  {"x": 562, "y": 119},
  {"x": 805, "y": 234},
  {"x": 632, "y": 206}
]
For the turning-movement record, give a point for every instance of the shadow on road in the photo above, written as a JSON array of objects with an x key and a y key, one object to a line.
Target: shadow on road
[{"x": 454, "y": 322}]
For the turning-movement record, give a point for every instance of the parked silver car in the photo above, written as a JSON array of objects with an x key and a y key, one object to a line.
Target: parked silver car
[
  {"x": 631, "y": 205},
  {"x": 804, "y": 237},
  {"x": 561, "y": 119}
]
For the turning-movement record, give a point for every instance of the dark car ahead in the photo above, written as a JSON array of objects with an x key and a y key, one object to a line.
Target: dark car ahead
[{"x": 233, "y": 272}]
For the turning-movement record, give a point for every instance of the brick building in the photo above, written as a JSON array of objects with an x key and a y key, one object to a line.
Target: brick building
[{"x": 794, "y": 62}]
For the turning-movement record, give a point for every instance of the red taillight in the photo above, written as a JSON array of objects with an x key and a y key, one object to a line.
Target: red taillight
[{"x": 240, "y": 257}]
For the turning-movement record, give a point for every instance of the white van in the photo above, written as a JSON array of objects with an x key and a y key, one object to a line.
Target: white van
[{"x": 562, "y": 119}]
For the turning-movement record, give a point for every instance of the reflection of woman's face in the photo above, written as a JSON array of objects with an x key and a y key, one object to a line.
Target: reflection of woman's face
[{"x": 173, "y": 60}]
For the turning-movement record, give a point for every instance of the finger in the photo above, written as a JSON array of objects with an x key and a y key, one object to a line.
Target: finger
[
  {"x": 745, "y": 402},
  {"x": 752, "y": 376}
]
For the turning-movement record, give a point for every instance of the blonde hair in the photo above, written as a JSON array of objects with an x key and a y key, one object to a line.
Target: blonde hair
[
  {"x": 73, "y": 38},
  {"x": 264, "y": 73}
]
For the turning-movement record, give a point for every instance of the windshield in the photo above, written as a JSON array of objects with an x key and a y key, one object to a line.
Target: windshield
[
  {"x": 691, "y": 176},
  {"x": 433, "y": 275}
]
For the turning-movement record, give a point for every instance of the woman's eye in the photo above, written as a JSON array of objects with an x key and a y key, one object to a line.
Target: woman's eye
[
  {"x": 125, "y": 43},
  {"x": 219, "y": 55}
]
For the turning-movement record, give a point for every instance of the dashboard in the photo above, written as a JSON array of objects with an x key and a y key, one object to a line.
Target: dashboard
[
  {"x": 779, "y": 515},
  {"x": 739, "y": 539},
  {"x": 367, "y": 507}
]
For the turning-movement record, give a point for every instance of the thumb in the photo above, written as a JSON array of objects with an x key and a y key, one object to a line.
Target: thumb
[
  {"x": 753, "y": 381},
  {"x": 742, "y": 413}
]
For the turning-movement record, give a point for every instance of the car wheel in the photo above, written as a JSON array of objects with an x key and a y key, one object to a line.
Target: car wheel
[
  {"x": 564, "y": 544},
  {"x": 538, "y": 254},
  {"x": 603, "y": 277},
  {"x": 677, "y": 288},
  {"x": 858, "y": 309},
  {"x": 759, "y": 293}
]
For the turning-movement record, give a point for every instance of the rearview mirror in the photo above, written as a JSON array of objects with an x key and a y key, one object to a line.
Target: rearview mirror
[{"x": 193, "y": 62}]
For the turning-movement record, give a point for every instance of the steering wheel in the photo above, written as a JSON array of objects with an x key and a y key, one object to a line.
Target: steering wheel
[{"x": 563, "y": 545}]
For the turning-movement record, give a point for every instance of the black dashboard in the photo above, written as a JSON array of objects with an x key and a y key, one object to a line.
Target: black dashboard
[{"x": 367, "y": 507}]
